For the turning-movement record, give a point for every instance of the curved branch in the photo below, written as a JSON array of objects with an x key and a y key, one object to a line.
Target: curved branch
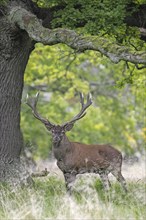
[{"x": 30, "y": 23}]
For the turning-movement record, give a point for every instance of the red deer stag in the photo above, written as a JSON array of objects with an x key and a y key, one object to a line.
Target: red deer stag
[{"x": 76, "y": 158}]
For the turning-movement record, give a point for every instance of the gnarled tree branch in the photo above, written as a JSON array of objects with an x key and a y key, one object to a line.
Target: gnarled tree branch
[{"x": 27, "y": 21}]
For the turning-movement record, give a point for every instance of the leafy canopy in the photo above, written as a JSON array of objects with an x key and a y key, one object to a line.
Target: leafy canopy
[{"x": 96, "y": 16}]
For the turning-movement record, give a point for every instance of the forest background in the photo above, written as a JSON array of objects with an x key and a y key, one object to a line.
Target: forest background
[{"x": 117, "y": 115}]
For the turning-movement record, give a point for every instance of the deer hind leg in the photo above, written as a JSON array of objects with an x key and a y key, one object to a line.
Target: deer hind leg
[
  {"x": 120, "y": 178},
  {"x": 69, "y": 180},
  {"x": 105, "y": 181}
]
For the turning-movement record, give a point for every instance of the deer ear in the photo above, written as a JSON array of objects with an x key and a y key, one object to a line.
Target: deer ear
[{"x": 68, "y": 127}]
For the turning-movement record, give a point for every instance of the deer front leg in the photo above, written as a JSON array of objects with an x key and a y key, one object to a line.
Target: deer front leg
[{"x": 69, "y": 180}]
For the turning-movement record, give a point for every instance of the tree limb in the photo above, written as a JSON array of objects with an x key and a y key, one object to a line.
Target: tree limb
[{"x": 27, "y": 21}]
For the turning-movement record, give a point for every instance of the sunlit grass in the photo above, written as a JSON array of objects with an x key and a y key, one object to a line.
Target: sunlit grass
[{"x": 48, "y": 200}]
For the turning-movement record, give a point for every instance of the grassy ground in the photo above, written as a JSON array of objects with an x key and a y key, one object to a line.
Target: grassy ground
[{"x": 48, "y": 200}]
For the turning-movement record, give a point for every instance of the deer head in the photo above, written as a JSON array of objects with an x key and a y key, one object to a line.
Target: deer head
[{"x": 58, "y": 131}]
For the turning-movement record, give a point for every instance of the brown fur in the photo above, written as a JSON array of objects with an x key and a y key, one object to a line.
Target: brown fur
[{"x": 75, "y": 158}]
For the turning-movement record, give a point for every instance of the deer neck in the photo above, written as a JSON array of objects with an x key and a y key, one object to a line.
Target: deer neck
[{"x": 61, "y": 148}]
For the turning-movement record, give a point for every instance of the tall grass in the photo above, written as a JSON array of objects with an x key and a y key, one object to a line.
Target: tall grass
[{"x": 47, "y": 199}]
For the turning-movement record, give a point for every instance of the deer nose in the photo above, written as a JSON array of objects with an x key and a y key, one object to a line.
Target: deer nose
[{"x": 56, "y": 139}]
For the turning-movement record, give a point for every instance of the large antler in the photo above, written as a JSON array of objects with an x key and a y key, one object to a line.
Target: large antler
[
  {"x": 82, "y": 112},
  {"x": 32, "y": 103}
]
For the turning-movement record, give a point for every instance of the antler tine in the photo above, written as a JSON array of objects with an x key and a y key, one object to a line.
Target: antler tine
[
  {"x": 87, "y": 104},
  {"x": 84, "y": 106},
  {"x": 89, "y": 99},
  {"x": 32, "y": 103},
  {"x": 81, "y": 99}
]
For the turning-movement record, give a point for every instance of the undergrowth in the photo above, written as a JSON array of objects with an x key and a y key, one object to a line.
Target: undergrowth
[{"x": 48, "y": 199}]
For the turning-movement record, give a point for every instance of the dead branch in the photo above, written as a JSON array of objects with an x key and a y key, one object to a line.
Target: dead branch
[{"x": 42, "y": 173}]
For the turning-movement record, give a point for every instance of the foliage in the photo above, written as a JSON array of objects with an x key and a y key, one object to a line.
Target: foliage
[
  {"x": 48, "y": 200},
  {"x": 95, "y": 17},
  {"x": 98, "y": 15},
  {"x": 117, "y": 114},
  {"x": 2, "y": 2},
  {"x": 49, "y": 66}
]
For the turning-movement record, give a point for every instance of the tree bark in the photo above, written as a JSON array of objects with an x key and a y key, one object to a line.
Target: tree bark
[{"x": 15, "y": 48}]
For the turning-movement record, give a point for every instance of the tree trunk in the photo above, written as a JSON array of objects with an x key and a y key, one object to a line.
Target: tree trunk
[{"x": 15, "y": 48}]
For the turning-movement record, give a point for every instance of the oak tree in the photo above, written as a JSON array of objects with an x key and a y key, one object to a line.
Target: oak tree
[{"x": 116, "y": 29}]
